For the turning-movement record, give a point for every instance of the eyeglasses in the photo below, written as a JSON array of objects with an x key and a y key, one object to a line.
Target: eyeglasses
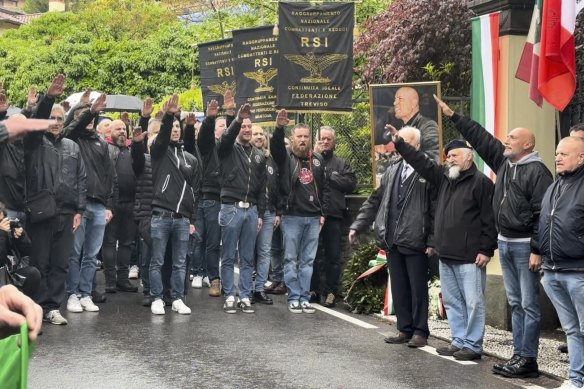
[{"x": 57, "y": 118}]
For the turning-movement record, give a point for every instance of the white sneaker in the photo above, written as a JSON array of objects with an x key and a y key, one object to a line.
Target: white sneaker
[
  {"x": 88, "y": 305},
  {"x": 191, "y": 277},
  {"x": 197, "y": 282},
  {"x": 157, "y": 307},
  {"x": 73, "y": 304},
  {"x": 134, "y": 271},
  {"x": 55, "y": 317},
  {"x": 179, "y": 306},
  {"x": 206, "y": 282},
  {"x": 567, "y": 385}
]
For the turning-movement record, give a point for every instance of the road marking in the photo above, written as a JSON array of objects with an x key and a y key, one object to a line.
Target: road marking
[
  {"x": 342, "y": 316},
  {"x": 531, "y": 386},
  {"x": 432, "y": 350}
]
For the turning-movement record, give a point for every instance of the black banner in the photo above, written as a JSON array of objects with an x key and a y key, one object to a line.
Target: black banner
[
  {"x": 316, "y": 56},
  {"x": 256, "y": 71},
  {"x": 216, "y": 67}
]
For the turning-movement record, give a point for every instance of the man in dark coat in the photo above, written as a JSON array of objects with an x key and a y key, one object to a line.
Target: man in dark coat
[{"x": 465, "y": 236}]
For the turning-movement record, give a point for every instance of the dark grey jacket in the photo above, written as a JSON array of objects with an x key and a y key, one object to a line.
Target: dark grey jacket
[
  {"x": 341, "y": 181},
  {"x": 414, "y": 229}
]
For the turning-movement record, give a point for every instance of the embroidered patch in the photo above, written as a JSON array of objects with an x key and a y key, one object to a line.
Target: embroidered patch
[
  {"x": 305, "y": 176},
  {"x": 270, "y": 170},
  {"x": 316, "y": 162},
  {"x": 258, "y": 158},
  {"x": 422, "y": 180}
]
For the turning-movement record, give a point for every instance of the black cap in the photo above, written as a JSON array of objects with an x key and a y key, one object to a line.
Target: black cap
[{"x": 456, "y": 144}]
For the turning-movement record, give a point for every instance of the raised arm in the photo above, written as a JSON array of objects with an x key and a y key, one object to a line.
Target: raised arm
[
  {"x": 277, "y": 144},
  {"x": 160, "y": 144},
  {"x": 225, "y": 145}
]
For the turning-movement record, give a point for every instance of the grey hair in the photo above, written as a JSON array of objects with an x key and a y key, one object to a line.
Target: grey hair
[
  {"x": 411, "y": 130},
  {"x": 57, "y": 107},
  {"x": 329, "y": 128},
  {"x": 152, "y": 123}
]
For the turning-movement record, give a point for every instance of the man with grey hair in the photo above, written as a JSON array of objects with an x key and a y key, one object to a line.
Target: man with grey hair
[
  {"x": 465, "y": 237},
  {"x": 341, "y": 181},
  {"x": 401, "y": 208}
]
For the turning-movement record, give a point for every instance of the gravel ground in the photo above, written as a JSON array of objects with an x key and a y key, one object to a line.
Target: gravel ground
[{"x": 499, "y": 343}]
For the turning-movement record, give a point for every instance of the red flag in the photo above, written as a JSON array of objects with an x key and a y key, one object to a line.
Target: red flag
[
  {"x": 557, "y": 63},
  {"x": 529, "y": 64}
]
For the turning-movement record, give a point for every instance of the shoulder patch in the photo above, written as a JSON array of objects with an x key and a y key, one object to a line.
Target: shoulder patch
[
  {"x": 270, "y": 170},
  {"x": 315, "y": 162},
  {"x": 258, "y": 159}
]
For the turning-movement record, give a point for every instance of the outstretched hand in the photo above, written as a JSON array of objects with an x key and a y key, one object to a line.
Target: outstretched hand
[
  {"x": 244, "y": 112},
  {"x": 393, "y": 132},
  {"x": 445, "y": 108},
  {"x": 228, "y": 100},
  {"x": 282, "y": 118},
  {"x": 32, "y": 98},
  {"x": 138, "y": 135},
  {"x": 4, "y": 103},
  {"x": 171, "y": 105},
  {"x": 99, "y": 104},
  {"x": 147, "y": 108},
  {"x": 57, "y": 87},
  {"x": 212, "y": 108}
]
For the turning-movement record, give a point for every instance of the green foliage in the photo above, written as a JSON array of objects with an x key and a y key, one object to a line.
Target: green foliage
[
  {"x": 367, "y": 295},
  {"x": 190, "y": 100},
  {"x": 36, "y": 6}
]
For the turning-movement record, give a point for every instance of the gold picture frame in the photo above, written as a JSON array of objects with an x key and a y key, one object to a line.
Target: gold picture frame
[{"x": 381, "y": 102}]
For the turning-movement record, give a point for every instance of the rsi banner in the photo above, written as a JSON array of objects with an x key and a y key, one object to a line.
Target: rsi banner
[
  {"x": 316, "y": 56},
  {"x": 216, "y": 66},
  {"x": 256, "y": 71}
]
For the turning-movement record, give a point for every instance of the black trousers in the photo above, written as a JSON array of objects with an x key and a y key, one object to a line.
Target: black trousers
[
  {"x": 408, "y": 272},
  {"x": 52, "y": 241},
  {"x": 121, "y": 230},
  {"x": 331, "y": 263}
]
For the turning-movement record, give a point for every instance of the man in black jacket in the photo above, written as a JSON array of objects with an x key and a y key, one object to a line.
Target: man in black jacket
[
  {"x": 54, "y": 167},
  {"x": 464, "y": 236},
  {"x": 522, "y": 179},
  {"x": 206, "y": 257},
  {"x": 176, "y": 176},
  {"x": 561, "y": 245},
  {"x": 101, "y": 186},
  {"x": 15, "y": 128},
  {"x": 243, "y": 203},
  {"x": 120, "y": 232},
  {"x": 304, "y": 192},
  {"x": 341, "y": 181},
  {"x": 403, "y": 212}
]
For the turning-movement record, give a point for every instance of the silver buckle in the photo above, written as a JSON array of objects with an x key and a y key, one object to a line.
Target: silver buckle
[{"x": 243, "y": 204}]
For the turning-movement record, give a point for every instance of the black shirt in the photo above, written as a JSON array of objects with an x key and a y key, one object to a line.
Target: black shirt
[{"x": 305, "y": 200}]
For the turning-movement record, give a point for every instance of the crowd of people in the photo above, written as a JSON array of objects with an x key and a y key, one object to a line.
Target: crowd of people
[{"x": 195, "y": 198}]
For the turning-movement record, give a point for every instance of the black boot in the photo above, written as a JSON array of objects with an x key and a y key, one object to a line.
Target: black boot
[
  {"x": 523, "y": 368},
  {"x": 126, "y": 286},
  {"x": 98, "y": 298},
  {"x": 499, "y": 366},
  {"x": 261, "y": 298}
]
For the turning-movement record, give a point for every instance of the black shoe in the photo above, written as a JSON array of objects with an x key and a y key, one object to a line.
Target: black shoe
[
  {"x": 563, "y": 348},
  {"x": 314, "y": 298},
  {"x": 126, "y": 286},
  {"x": 417, "y": 341},
  {"x": 466, "y": 354},
  {"x": 523, "y": 368},
  {"x": 110, "y": 289},
  {"x": 147, "y": 301},
  {"x": 329, "y": 302},
  {"x": 261, "y": 298},
  {"x": 447, "y": 351},
  {"x": 399, "y": 339},
  {"x": 499, "y": 366},
  {"x": 98, "y": 298},
  {"x": 278, "y": 289}
]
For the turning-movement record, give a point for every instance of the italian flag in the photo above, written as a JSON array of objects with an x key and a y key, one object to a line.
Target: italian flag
[
  {"x": 557, "y": 63},
  {"x": 485, "y": 63},
  {"x": 528, "y": 69}
]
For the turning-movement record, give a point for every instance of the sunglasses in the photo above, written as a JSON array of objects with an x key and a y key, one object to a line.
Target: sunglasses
[{"x": 57, "y": 118}]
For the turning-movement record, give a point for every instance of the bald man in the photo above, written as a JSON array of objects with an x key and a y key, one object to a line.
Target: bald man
[
  {"x": 522, "y": 179},
  {"x": 561, "y": 245},
  {"x": 406, "y": 104},
  {"x": 121, "y": 231}
]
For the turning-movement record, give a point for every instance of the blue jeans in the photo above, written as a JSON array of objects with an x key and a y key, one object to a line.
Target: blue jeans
[
  {"x": 300, "y": 243},
  {"x": 87, "y": 239},
  {"x": 522, "y": 287},
  {"x": 463, "y": 291},
  {"x": 145, "y": 257},
  {"x": 566, "y": 291},
  {"x": 239, "y": 228},
  {"x": 263, "y": 250},
  {"x": 277, "y": 256},
  {"x": 207, "y": 242},
  {"x": 176, "y": 230}
]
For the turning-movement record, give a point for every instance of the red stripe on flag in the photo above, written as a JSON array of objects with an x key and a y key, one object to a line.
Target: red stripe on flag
[{"x": 524, "y": 69}]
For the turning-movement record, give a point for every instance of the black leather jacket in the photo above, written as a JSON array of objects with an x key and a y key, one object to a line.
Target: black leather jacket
[
  {"x": 414, "y": 229},
  {"x": 341, "y": 181},
  {"x": 519, "y": 187},
  {"x": 561, "y": 231}
]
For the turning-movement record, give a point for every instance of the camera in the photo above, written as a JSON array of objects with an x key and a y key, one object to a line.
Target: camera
[{"x": 15, "y": 223}]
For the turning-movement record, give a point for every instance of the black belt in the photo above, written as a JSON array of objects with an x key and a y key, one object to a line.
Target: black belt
[
  {"x": 240, "y": 204},
  {"x": 164, "y": 213}
]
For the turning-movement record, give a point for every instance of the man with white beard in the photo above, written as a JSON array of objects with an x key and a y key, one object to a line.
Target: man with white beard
[{"x": 465, "y": 239}]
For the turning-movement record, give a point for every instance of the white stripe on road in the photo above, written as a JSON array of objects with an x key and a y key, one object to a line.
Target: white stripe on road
[
  {"x": 530, "y": 386},
  {"x": 344, "y": 317},
  {"x": 432, "y": 350}
]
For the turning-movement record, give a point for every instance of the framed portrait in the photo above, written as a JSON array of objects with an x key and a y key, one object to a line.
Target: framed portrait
[{"x": 399, "y": 105}]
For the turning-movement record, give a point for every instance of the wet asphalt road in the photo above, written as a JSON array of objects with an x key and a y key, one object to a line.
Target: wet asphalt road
[{"x": 125, "y": 346}]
